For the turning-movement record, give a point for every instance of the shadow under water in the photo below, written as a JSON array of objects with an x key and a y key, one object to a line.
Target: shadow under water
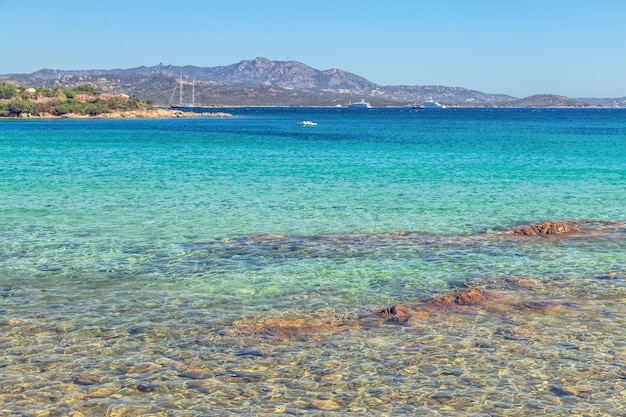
[{"x": 276, "y": 245}]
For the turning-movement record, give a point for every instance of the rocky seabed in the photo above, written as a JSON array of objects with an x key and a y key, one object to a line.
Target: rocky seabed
[{"x": 496, "y": 346}]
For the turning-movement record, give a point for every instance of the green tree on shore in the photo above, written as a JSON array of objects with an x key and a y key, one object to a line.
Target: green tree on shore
[
  {"x": 58, "y": 100},
  {"x": 7, "y": 90},
  {"x": 59, "y": 93},
  {"x": 18, "y": 106}
]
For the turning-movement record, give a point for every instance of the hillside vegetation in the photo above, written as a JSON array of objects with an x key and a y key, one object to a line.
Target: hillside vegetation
[{"x": 16, "y": 101}]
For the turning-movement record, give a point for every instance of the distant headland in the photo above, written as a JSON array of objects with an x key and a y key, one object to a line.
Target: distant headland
[
  {"x": 263, "y": 82},
  {"x": 81, "y": 102}
]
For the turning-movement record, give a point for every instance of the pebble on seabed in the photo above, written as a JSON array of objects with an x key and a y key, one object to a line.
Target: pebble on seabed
[{"x": 325, "y": 405}]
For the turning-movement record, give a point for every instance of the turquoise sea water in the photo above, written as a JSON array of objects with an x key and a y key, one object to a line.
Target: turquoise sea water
[{"x": 131, "y": 251}]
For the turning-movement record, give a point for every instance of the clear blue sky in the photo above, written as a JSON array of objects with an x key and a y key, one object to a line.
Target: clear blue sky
[{"x": 576, "y": 48}]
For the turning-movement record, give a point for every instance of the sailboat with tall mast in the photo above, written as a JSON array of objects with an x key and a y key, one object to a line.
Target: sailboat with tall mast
[{"x": 181, "y": 105}]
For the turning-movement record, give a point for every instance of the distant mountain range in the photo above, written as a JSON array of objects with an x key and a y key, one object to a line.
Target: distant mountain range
[{"x": 262, "y": 82}]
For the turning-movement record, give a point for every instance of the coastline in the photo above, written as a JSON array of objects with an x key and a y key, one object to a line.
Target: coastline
[{"x": 156, "y": 113}]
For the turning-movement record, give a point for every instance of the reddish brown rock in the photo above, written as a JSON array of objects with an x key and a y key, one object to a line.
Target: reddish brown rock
[
  {"x": 397, "y": 313},
  {"x": 301, "y": 325},
  {"x": 320, "y": 323},
  {"x": 465, "y": 297},
  {"x": 285, "y": 327},
  {"x": 546, "y": 229}
]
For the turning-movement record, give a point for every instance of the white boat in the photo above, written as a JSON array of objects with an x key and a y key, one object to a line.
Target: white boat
[
  {"x": 431, "y": 104},
  {"x": 360, "y": 105},
  {"x": 307, "y": 123},
  {"x": 416, "y": 105}
]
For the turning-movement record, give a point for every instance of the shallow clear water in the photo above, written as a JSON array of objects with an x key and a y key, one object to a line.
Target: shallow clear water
[{"x": 140, "y": 259}]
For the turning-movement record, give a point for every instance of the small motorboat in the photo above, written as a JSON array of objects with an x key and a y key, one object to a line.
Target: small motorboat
[{"x": 307, "y": 123}]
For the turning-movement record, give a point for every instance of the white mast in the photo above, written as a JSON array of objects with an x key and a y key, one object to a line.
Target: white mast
[{"x": 180, "y": 90}]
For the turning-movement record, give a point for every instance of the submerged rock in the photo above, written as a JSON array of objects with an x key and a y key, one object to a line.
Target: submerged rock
[
  {"x": 397, "y": 313},
  {"x": 404, "y": 315},
  {"x": 89, "y": 379},
  {"x": 508, "y": 283},
  {"x": 548, "y": 307},
  {"x": 429, "y": 309},
  {"x": 583, "y": 391},
  {"x": 463, "y": 297},
  {"x": 298, "y": 326},
  {"x": 546, "y": 229},
  {"x": 278, "y": 327}
]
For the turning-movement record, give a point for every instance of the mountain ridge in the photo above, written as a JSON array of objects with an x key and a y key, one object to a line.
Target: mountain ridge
[{"x": 261, "y": 81}]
